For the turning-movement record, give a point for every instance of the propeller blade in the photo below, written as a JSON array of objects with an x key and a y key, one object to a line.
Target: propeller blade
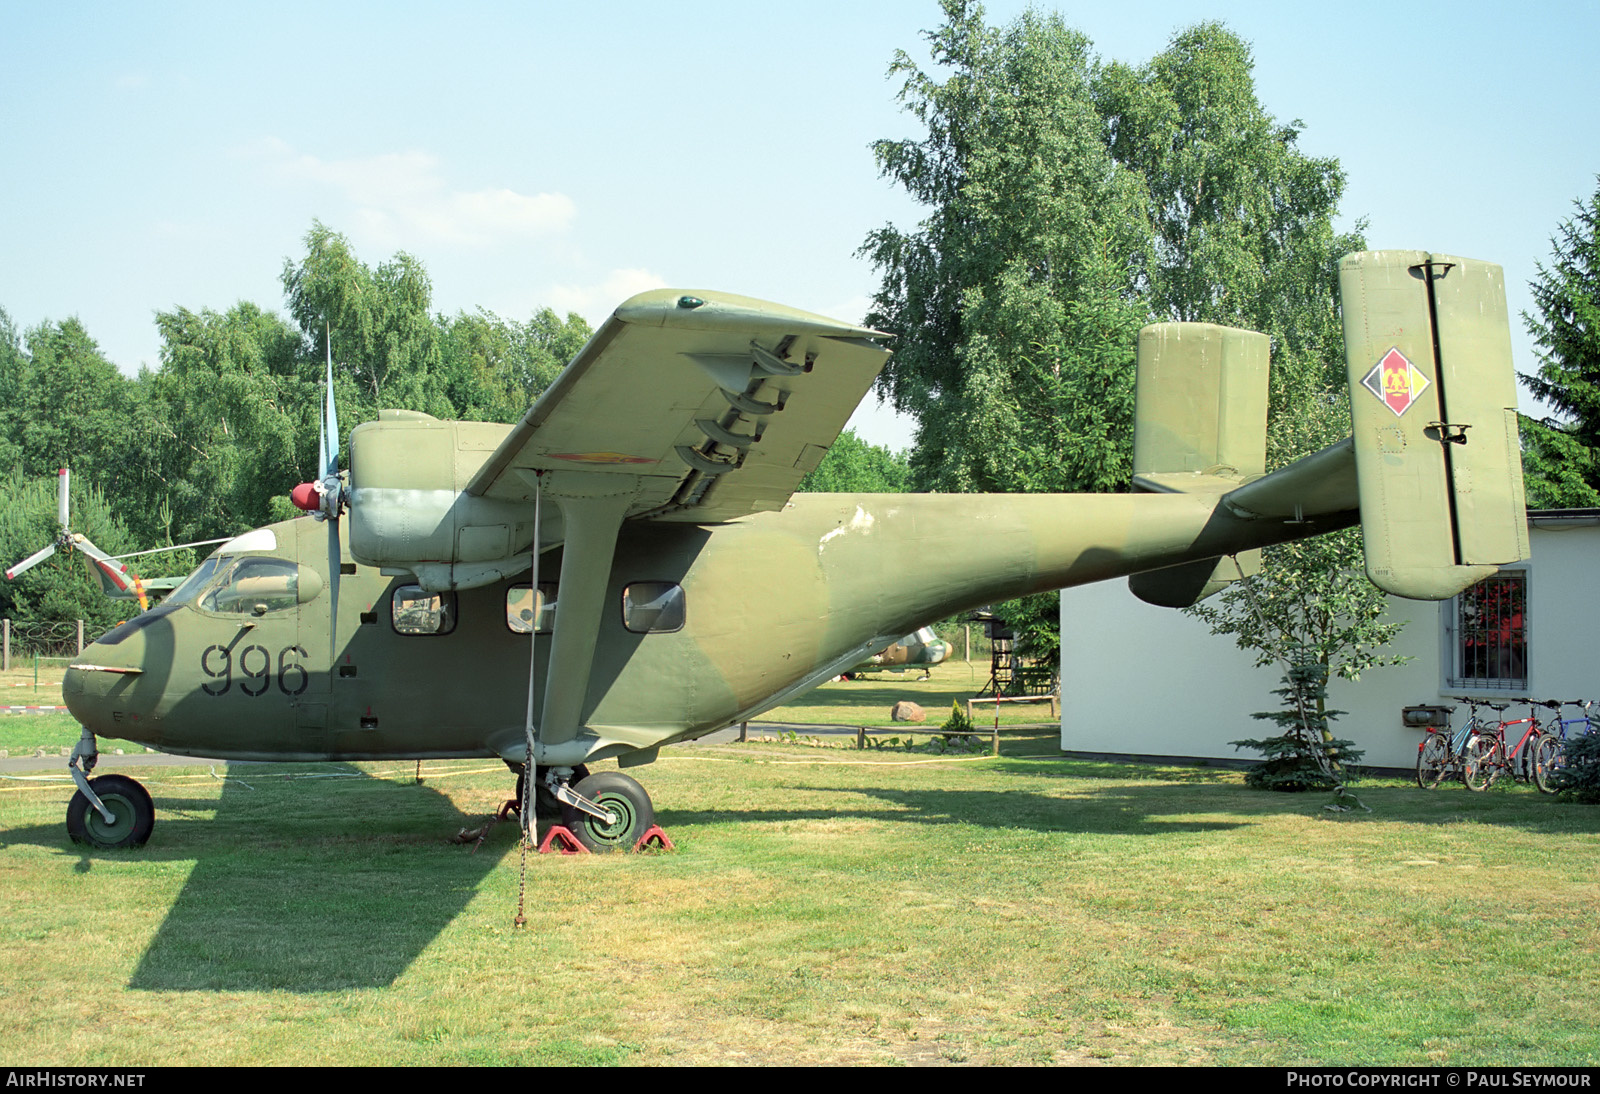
[
  {"x": 62, "y": 477},
  {"x": 30, "y": 562},
  {"x": 330, "y": 419},
  {"x": 333, "y": 589}
]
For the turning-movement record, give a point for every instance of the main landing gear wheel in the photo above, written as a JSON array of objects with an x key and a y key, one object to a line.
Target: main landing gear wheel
[
  {"x": 623, "y": 797},
  {"x": 133, "y": 814}
]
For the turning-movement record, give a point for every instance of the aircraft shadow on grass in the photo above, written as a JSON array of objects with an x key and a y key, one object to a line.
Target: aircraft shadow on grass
[
  {"x": 315, "y": 885},
  {"x": 1137, "y": 810}
]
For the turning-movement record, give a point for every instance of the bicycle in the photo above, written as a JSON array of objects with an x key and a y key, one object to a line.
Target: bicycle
[
  {"x": 1555, "y": 730},
  {"x": 1440, "y": 753},
  {"x": 1486, "y": 757}
]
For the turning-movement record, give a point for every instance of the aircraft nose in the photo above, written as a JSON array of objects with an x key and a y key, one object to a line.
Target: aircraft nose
[{"x": 99, "y": 682}]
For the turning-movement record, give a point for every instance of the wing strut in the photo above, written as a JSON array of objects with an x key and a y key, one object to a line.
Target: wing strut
[{"x": 591, "y": 525}]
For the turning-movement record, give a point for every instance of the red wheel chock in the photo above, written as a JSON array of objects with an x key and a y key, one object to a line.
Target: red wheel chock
[
  {"x": 654, "y": 839},
  {"x": 563, "y": 840}
]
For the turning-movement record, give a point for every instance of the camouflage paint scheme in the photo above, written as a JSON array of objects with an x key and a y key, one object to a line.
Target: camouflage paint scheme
[{"x": 668, "y": 451}]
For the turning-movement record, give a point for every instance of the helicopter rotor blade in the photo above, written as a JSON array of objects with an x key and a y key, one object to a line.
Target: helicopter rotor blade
[
  {"x": 30, "y": 562},
  {"x": 62, "y": 515}
]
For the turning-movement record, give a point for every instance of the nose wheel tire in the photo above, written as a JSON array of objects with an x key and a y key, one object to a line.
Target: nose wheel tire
[
  {"x": 625, "y": 799},
  {"x": 133, "y": 814}
]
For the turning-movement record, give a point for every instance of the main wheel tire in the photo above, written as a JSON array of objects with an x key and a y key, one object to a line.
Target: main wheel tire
[
  {"x": 1480, "y": 763},
  {"x": 133, "y": 814},
  {"x": 1545, "y": 759},
  {"x": 625, "y": 798},
  {"x": 1432, "y": 759}
]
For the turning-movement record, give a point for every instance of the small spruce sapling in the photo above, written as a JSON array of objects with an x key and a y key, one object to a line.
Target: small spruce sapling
[{"x": 1305, "y": 755}]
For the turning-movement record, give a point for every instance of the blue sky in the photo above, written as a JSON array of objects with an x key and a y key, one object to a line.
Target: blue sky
[{"x": 536, "y": 155}]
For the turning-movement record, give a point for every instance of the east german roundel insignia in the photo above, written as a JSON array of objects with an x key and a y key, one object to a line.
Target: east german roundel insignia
[{"x": 1396, "y": 381}]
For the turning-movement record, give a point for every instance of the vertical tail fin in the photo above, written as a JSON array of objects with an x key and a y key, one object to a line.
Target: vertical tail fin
[
  {"x": 1200, "y": 426},
  {"x": 1434, "y": 397}
]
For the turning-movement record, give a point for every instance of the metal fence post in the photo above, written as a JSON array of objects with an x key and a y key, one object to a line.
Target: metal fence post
[
  {"x": 80, "y": 636},
  {"x": 5, "y": 658}
]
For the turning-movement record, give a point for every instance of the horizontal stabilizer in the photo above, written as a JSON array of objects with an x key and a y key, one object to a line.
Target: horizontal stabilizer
[{"x": 1191, "y": 582}]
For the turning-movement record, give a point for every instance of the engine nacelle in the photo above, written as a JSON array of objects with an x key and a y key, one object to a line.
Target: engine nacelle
[{"x": 408, "y": 509}]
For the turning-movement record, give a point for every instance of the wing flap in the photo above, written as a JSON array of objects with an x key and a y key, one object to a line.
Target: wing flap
[{"x": 715, "y": 405}]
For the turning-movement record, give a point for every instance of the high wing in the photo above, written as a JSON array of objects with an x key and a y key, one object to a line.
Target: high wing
[{"x": 705, "y": 406}]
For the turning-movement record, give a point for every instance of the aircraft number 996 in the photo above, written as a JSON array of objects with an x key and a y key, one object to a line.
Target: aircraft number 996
[{"x": 254, "y": 667}]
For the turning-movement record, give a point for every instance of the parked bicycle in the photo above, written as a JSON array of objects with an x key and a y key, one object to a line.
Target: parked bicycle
[
  {"x": 1531, "y": 759},
  {"x": 1440, "y": 752},
  {"x": 1556, "y": 729}
]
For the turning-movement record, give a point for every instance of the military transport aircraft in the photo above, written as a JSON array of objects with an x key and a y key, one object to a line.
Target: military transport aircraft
[{"x": 628, "y": 566}]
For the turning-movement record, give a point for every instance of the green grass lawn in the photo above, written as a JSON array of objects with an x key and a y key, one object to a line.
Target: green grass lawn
[{"x": 821, "y": 907}]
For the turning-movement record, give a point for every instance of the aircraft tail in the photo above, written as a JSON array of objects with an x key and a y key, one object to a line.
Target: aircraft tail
[
  {"x": 1433, "y": 466},
  {"x": 1200, "y": 427},
  {"x": 1434, "y": 414}
]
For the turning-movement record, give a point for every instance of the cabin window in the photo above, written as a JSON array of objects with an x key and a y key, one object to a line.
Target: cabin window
[
  {"x": 255, "y": 586},
  {"x": 521, "y": 605},
  {"x": 1487, "y": 634},
  {"x": 653, "y": 607},
  {"x": 417, "y": 611}
]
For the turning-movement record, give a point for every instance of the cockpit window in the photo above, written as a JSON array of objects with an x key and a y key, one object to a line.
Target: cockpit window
[
  {"x": 195, "y": 582},
  {"x": 254, "y": 586}
]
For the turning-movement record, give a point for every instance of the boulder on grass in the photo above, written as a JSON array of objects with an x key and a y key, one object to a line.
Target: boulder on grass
[{"x": 908, "y": 712}]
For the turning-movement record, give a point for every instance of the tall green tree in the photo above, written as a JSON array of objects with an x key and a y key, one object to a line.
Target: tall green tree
[
  {"x": 385, "y": 340},
  {"x": 852, "y": 466},
  {"x": 1561, "y": 456},
  {"x": 235, "y": 423},
  {"x": 494, "y": 368},
  {"x": 1070, "y": 202},
  {"x": 1012, "y": 303}
]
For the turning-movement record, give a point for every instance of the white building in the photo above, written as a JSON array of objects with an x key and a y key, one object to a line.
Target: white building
[{"x": 1148, "y": 682}]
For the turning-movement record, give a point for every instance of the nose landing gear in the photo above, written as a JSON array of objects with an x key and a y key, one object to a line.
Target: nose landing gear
[{"x": 111, "y": 811}]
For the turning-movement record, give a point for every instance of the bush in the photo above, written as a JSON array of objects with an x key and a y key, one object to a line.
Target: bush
[{"x": 1578, "y": 777}]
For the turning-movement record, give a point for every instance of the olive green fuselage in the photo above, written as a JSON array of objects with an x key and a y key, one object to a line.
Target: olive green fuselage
[{"x": 773, "y": 604}]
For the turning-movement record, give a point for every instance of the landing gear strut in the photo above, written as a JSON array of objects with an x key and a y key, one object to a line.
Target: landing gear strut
[
  {"x": 111, "y": 811},
  {"x": 545, "y": 804}
]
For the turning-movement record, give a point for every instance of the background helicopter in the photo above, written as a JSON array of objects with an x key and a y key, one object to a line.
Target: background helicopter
[
  {"x": 628, "y": 566},
  {"x": 116, "y": 578}
]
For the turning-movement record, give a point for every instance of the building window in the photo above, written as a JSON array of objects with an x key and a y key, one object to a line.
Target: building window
[{"x": 1488, "y": 634}]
